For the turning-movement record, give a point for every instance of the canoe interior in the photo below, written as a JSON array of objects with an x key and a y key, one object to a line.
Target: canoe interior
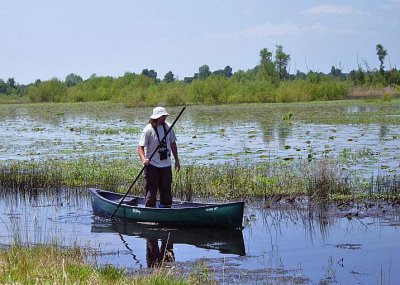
[{"x": 139, "y": 201}]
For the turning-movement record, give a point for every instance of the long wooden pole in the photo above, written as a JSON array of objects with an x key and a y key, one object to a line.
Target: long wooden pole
[{"x": 141, "y": 171}]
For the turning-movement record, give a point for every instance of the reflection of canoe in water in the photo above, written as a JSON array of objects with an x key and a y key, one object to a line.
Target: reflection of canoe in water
[
  {"x": 224, "y": 240},
  {"x": 225, "y": 215}
]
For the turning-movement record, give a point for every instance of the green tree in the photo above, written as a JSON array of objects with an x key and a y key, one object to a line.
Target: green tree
[
  {"x": 358, "y": 77},
  {"x": 382, "y": 53},
  {"x": 337, "y": 73},
  {"x": 266, "y": 69},
  {"x": 11, "y": 83},
  {"x": 228, "y": 71},
  {"x": 266, "y": 56},
  {"x": 3, "y": 86},
  {"x": 188, "y": 79},
  {"x": 204, "y": 71},
  {"x": 9, "y": 87},
  {"x": 72, "y": 79},
  {"x": 281, "y": 62},
  {"x": 300, "y": 75},
  {"x": 169, "y": 77},
  {"x": 394, "y": 77},
  {"x": 150, "y": 73}
]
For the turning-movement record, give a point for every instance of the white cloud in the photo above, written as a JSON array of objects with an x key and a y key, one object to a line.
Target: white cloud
[
  {"x": 332, "y": 9},
  {"x": 287, "y": 29},
  {"x": 264, "y": 30},
  {"x": 321, "y": 29}
]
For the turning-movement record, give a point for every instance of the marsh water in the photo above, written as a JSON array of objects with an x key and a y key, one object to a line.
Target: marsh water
[
  {"x": 365, "y": 136},
  {"x": 288, "y": 246}
]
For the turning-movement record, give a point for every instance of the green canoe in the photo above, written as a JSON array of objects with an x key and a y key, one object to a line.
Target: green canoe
[{"x": 224, "y": 215}]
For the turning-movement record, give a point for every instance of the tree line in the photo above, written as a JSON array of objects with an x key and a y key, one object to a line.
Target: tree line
[{"x": 268, "y": 81}]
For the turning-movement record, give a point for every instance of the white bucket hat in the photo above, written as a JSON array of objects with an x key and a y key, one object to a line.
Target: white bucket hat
[{"x": 158, "y": 112}]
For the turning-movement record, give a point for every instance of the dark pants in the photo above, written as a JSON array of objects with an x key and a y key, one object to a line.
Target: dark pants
[
  {"x": 158, "y": 179},
  {"x": 156, "y": 257}
]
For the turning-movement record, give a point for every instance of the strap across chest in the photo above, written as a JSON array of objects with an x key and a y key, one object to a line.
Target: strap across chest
[{"x": 158, "y": 136}]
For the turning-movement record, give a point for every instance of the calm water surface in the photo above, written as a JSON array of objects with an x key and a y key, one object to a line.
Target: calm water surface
[{"x": 299, "y": 245}]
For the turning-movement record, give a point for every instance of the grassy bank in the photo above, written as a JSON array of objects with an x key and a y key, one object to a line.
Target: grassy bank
[
  {"x": 321, "y": 180},
  {"x": 52, "y": 265}
]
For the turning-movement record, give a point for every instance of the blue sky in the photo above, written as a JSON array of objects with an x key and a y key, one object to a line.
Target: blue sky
[{"x": 43, "y": 39}]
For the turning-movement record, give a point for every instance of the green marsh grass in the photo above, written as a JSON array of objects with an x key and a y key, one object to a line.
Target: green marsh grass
[
  {"x": 319, "y": 179},
  {"x": 93, "y": 172},
  {"x": 385, "y": 187},
  {"x": 201, "y": 274},
  {"x": 327, "y": 181},
  {"x": 54, "y": 265}
]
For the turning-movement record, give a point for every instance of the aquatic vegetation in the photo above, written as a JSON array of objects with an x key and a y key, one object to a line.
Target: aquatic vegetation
[
  {"x": 327, "y": 181},
  {"x": 53, "y": 265},
  {"x": 348, "y": 155},
  {"x": 107, "y": 131},
  {"x": 319, "y": 179},
  {"x": 387, "y": 97},
  {"x": 131, "y": 130},
  {"x": 95, "y": 172},
  {"x": 387, "y": 187},
  {"x": 93, "y": 144},
  {"x": 287, "y": 116},
  {"x": 201, "y": 274}
]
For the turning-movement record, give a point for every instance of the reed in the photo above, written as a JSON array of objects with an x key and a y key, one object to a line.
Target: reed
[
  {"x": 323, "y": 179},
  {"x": 327, "y": 181},
  {"x": 81, "y": 173},
  {"x": 387, "y": 187},
  {"x": 201, "y": 274}
]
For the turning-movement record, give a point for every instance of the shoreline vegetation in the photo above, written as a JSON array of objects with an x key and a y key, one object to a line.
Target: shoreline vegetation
[{"x": 268, "y": 82}]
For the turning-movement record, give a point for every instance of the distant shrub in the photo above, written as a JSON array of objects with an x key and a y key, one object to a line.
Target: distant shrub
[
  {"x": 328, "y": 90},
  {"x": 386, "y": 97},
  {"x": 258, "y": 91},
  {"x": 293, "y": 91},
  {"x": 48, "y": 91}
]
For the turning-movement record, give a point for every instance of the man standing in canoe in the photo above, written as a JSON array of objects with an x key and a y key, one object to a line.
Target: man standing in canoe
[{"x": 158, "y": 171}]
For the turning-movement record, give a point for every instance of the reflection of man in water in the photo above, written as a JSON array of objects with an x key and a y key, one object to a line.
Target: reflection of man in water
[{"x": 156, "y": 257}]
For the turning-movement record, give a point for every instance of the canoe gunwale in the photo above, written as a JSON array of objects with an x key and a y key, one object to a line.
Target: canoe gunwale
[{"x": 184, "y": 205}]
